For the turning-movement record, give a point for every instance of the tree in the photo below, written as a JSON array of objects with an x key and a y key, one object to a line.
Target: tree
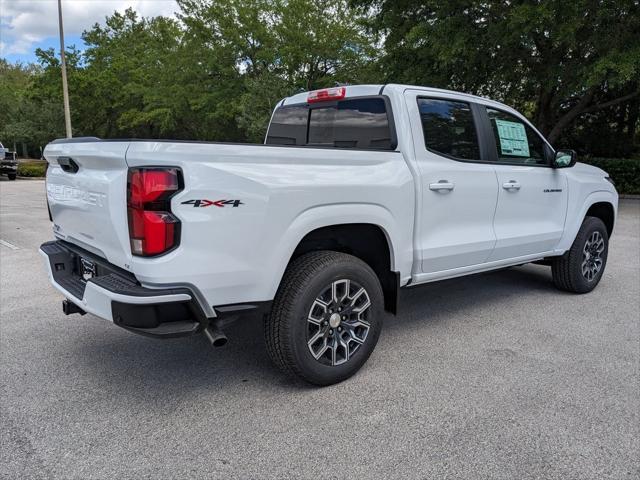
[
  {"x": 555, "y": 60},
  {"x": 214, "y": 74},
  {"x": 129, "y": 77},
  {"x": 273, "y": 48},
  {"x": 217, "y": 71},
  {"x": 28, "y": 121}
]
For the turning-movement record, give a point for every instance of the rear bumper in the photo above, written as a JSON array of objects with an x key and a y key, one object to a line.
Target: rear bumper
[
  {"x": 8, "y": 167},
  {"x": 114, "y": 294}
]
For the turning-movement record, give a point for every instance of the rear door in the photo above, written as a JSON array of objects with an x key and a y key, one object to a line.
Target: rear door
[
  {"x": 86, "y": 190},
  {"x": 459, "y": 188},
  {"x": 532, "y": 198}
]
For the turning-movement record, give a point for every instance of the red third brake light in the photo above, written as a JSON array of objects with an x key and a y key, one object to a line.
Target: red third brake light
[
  {"x": 152, "y": 227},
  {"x": 327, "y": 95}
]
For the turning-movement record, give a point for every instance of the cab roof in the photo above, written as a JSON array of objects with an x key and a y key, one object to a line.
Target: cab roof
[{"x": 379, "y": 89}]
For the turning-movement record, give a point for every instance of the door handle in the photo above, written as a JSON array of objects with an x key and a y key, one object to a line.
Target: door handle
[
  {"x": 511, "y": 185},
  {"x": 441, "y": 185}
]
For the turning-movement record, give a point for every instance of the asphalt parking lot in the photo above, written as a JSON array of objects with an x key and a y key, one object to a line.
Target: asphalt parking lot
[{"x": 491, "y": 376}]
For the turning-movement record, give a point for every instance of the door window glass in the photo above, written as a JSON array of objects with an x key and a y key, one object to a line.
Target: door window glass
[
  {"x": 448, "y": 128},
  {"x": 516, "y": 141}
]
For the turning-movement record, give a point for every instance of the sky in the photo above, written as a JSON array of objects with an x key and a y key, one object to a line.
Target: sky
[{"x": 29, "y": 24}]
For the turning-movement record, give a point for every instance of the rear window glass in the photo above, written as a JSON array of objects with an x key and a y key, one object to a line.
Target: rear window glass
[
  {"x": 289, "y": 126},
  {"x": 354, "y": 123}
]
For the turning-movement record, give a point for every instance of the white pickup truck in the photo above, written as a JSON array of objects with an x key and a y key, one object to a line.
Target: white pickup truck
[{"x": 357, "y": 192}]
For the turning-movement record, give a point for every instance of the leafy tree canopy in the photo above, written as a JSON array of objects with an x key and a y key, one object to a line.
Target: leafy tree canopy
[
  {"x": 216, "y": 72},
  {"x": 554, "y": 60}
]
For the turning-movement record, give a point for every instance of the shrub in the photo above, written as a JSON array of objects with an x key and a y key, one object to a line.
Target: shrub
[
  {"x": 625, "y": 172},
  {"x": 32, "y": 169}
]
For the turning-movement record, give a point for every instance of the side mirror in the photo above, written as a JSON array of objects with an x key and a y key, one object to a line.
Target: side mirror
[{"x": 565, "y": 159}]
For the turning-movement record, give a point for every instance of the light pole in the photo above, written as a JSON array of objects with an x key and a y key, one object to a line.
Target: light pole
[{"x": 65, "y": 91}]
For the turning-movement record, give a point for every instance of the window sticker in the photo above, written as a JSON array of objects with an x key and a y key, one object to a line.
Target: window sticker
[{"x": 513, "y": 138}]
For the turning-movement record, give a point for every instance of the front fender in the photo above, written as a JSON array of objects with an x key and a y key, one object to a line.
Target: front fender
[{"x": 573, "y": 223}]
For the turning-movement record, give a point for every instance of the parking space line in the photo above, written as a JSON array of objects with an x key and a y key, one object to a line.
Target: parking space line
[{"x": 9, "y": 245}]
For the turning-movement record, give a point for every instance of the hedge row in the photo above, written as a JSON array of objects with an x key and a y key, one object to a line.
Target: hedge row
[
  {"x": 32, "y": 169},
  {"x": 625, "y": 172}
]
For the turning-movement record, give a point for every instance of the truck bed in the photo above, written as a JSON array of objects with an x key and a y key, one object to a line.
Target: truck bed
[{"x": 233, "y": 194}]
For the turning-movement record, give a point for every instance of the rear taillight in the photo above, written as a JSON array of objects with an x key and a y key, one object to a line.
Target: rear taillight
[
  {"x": 326, "y": 95},
  {"x": 153, "y": 229}
]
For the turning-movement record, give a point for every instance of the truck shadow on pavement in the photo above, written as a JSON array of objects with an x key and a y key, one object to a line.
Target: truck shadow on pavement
[
  {"x": 147, "y": 367},
  {"x": 464, "y": 295}
]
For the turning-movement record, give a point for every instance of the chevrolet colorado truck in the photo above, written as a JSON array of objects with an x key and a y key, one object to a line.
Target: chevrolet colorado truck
[{"x": 358, "y": 191}]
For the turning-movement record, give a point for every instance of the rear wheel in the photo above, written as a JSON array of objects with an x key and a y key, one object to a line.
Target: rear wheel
[
  {"x": 12, "y": 176},
  {"x": 326, "y": 317},
  {"x": 580, "y": 269}
]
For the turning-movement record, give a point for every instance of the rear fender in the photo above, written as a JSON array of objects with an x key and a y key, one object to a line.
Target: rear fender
[{"x": 341, "y": 214}]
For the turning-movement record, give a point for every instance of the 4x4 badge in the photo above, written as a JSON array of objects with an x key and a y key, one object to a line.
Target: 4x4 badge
[{"x": 207, "y": 203}]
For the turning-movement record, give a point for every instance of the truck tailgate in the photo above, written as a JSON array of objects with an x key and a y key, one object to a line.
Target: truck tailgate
[{"x": 86, "y": 191}]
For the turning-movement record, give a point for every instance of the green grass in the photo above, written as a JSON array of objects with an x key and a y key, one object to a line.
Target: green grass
[{"x": 32, "y": 169}]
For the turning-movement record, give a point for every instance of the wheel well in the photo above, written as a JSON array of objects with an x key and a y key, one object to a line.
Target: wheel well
[
  {"x": 363, "y": 240},
  {"x": 603, "y": 211}
]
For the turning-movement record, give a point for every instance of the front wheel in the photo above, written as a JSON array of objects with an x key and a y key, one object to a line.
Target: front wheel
[
  {"x": 326, "y": 317},
  {"x": 581, "y": 268}
]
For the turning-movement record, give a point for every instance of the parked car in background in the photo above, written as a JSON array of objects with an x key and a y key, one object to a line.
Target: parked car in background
[
  {"x": 8, "y": 163},
  {"x": 358, "y": 191}
]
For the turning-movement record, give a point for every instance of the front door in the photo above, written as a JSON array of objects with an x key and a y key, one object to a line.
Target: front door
[{"x": 532, "y": 198}]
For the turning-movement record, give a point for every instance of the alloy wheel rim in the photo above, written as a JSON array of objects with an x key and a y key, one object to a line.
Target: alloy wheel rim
[
  {"x": 592, "y": 256},
  {"x": 338, "y": 322}
]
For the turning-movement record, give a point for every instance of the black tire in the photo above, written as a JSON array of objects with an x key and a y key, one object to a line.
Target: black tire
[
  {"x": 567, "y": 270},
  {"x": 12, "y": 176},
  {"x": 288, "y": 330}
]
